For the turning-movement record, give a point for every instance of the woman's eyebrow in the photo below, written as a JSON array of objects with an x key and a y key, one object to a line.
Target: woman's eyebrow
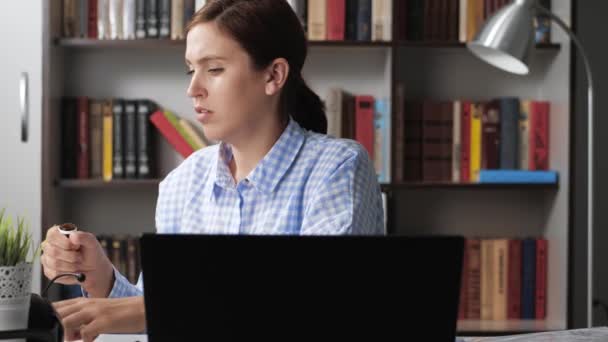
[{"x": 205, "y": 59}]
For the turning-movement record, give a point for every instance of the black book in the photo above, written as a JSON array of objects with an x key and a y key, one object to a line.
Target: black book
[
  {"x": 151, "y": 19},
  {"x": 118, "y": 139},
  {"x": 130, "y": 139},
  {"x": 146, "y": 141},
  {"x": 140, "y": 19},
  {"x": 69, "y": 137}
]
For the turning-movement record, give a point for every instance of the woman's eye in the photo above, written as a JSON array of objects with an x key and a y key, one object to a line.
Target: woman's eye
[
  {"x": 215, "y": 70},
  {"x": 189, "y": 72}
]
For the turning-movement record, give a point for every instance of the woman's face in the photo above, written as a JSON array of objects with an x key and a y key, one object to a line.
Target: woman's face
[{"x": 228, "y": 93}]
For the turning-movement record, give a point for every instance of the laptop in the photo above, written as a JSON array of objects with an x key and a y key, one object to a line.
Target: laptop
[{"x": 314, "y": 288}]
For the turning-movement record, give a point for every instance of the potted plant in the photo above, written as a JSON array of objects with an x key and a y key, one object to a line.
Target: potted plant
[{"x": 17, "y": 254}]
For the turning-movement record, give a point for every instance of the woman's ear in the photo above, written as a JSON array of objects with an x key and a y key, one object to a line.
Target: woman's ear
[{"x": 276, "y": 75}]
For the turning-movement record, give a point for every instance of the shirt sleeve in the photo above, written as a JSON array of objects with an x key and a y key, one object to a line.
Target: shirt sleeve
[
  {"x": 122, "y": 287},
  {"x": 348, "y": 201}
]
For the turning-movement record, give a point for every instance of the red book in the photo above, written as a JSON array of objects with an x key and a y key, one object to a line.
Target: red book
[
  {"x": 92, "y": 27},
  {"x": 336, "y": 10},
  {"x": 514, "y": 280},
  {"x": 171, "y": 134},
  {"x": 364, "y": 123},
  {"x": 465, "y": 140},
  {"x": 539, "y": 136},
  {"x": 541, "y": 279},
  {"x": 462, "y": 306},
  {"x": 83, "y": 138}
]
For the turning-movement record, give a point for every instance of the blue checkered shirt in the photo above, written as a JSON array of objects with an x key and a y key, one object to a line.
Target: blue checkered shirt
[{"x": 308, "y": 184}]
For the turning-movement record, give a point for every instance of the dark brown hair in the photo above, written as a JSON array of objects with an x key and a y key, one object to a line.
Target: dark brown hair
[{"x": 266, "y": 30}]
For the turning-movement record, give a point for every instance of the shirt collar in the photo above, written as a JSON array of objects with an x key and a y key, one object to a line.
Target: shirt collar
[{"x": 271, "y": 169}]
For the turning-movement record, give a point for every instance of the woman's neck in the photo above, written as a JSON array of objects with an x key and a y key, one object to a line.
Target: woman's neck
[{"x": 248, "y": 151}]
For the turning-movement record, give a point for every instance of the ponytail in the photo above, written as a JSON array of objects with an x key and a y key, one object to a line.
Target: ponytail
[{"x": 304, "y": 105}]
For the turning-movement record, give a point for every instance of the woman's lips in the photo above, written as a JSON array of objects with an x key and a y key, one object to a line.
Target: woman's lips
[{"x": 203, "y": 114}]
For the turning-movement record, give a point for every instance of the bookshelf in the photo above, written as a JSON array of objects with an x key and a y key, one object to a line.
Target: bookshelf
[{"x": 154, "y": 69}]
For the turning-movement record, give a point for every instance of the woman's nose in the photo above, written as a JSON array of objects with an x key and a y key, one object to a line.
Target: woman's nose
[{"x": 196, "y": 89}]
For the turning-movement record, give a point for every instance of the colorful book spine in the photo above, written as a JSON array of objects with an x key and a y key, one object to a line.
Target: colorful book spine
[
  {"x": 107, "y": 140},
  {"x": 382, "y": 140},
  {"x": 517, "y": 176},
  {"x": 364, "y": 122},
  {"x": 171, "y": 134}
]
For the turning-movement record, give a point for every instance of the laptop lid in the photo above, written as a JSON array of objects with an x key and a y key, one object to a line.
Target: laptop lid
[{"x": 243, "y": 287}]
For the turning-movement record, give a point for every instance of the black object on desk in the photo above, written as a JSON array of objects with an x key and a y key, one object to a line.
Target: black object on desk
[
  {"x": 322, "y": 288},
  {"x": 43, "y": 323}
]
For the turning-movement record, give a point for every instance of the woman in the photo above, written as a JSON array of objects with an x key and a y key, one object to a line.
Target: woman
[{"x": 272, "y": 173}]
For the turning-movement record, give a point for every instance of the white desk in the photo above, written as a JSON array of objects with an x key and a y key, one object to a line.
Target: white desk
[{"x": 120, "y": 338}]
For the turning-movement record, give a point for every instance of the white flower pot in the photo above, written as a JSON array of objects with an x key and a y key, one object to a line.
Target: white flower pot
[{"x": 15, "y": 290}]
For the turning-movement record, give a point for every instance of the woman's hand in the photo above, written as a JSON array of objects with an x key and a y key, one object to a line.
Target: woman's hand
[
  {"x": 87, "y": 318},
  {"x": 80, "y": 252}
]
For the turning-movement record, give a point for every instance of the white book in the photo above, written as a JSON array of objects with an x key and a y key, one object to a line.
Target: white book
[
  {"x": 177, "y": 19},
  {"x": 382, "y": 18},
  {"x": 116, "y": 19},
  {"x": 199, "y": 4},
  {"x": 317, "y": 20},
  {"x": 128, "y": 19},
  {"x": 103, "y": 19},
  {"x": 462, "y": 21},
  {"x": 457, "y": 141}
]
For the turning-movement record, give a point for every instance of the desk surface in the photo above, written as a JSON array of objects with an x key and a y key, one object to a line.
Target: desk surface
[
  {"x": 575, "y": 335},
  {"x": 599, "y": 334}
]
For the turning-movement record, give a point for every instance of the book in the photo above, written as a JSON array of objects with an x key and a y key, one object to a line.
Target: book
[
  {"x": 177, "y": 19},
  {"x": 107, "y": 136},
  {"x": 146, "y": 140},
  {"x": 116, "y": 21},
  {"x": 192, "y": 134},
  {"x": 69, "y": 138},
  {"x": 92, "y": 20},
  {"x": 103, "y": 19},
  {"x": 170, "y": 133},
  {"x": 152, "y": 18},
  {"x": 382, "y": 15},
  {"x": 174, "y": 120},
  {"x": 528, "y": 278},
  {"x": 335, "y": 19},
  {"x": 317, "y": 19},
  {"x": 382, "y": 140},
  {"x": 140, "y": 19},
  {"x": 83, "y": 138},
  {"x": 364, "y": 20},
  {"x": 517, "y": 176},
  {"x": 96, "y": 128},
  {"x": 364, "y": 122},
  {"x": 130, "y": 139},
  {"x": 164, "y": 15},
  {"x": 118, "y": 136},
  {"x": 129, "y": 14},
  {"x": 514, "y": 280}
]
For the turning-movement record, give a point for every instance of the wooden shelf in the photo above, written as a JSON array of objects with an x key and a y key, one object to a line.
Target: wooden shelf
[
  {"x": 478, "y": 327},
  {"x": 451, "y": 44},
  {"x": 168, "y": 43},
  {"x": 451, "y": 185},
  {"x": 100, "y": 183}
]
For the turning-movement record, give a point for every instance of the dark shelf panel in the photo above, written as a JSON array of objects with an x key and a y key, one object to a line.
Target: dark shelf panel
[
  {"x": 451, "y": 44},
  {"x": 451, "y": 185},
  {"x": 168, "y": 43},
  {"x": 99, "y": 183}
]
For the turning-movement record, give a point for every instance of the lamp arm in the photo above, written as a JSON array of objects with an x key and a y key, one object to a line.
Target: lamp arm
[{"x": 590, "y": 158}]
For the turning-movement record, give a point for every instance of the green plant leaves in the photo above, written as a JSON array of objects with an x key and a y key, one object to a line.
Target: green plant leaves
[{"x": 15, "y": 242}]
